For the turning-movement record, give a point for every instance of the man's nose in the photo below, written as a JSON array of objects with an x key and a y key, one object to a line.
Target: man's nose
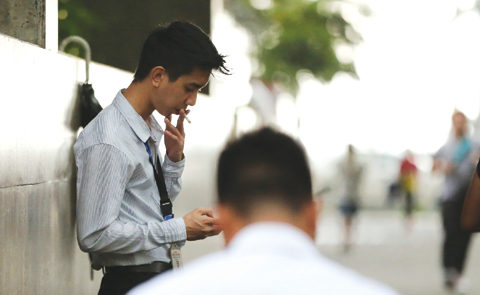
[{"x": 192, "y": 99}]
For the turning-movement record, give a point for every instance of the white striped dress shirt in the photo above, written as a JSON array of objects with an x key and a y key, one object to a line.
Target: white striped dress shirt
[{"x": 118, "y": 204}]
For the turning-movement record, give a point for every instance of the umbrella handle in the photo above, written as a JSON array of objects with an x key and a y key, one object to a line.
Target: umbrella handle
[{"x": 84, "y": 43}]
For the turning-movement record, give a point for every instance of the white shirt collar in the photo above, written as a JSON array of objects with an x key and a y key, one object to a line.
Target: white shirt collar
[{"x": 279, "y": 237}]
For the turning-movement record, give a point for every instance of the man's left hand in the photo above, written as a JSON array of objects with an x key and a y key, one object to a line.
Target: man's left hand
[{"x": 175, "y": 137}]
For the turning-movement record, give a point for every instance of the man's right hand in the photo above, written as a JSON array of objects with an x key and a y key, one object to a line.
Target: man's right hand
[{"x": 200, "y": 224}]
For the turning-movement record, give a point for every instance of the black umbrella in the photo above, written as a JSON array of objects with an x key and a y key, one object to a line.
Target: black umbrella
[{"x": 89, "y": 105}]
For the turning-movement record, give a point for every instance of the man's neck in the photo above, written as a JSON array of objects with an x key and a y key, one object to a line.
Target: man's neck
[
  {"x": 232, "y": 223},
  {"x": 138, "y": 97}
]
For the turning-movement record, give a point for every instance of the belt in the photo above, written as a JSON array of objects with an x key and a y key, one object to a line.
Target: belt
[{"x": 155, "y": 267}]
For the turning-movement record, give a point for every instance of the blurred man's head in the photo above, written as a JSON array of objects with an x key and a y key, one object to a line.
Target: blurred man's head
[
  {"x": 460, "y": 124},
  {"x": 351, "y": 152},
  {"x": 264, "y": 176},
  {"x": 409, "y": 155},
  {"x": 179, "y": 48}
]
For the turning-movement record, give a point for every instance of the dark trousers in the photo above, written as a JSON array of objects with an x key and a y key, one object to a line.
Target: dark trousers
[
  {"x": 408, "y": 203},
  {"x": 121, "y": 283},
  {"x": 456, "y": 241}
]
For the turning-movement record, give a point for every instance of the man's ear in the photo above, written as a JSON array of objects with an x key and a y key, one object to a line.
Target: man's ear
[
  {"x": 230, "y": 222},
  {"x": 310, "y": 215},
  {"x": 158, "y": 75}
]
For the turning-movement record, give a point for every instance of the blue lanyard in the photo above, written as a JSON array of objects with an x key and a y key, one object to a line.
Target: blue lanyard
[{"x": 149, "y": 153}]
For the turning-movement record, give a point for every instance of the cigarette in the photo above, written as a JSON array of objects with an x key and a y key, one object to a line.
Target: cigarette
[{"x": 188, "y": 120}]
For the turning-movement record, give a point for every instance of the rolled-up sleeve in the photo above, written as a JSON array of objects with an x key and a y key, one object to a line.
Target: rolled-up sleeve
[{"x": 103, "y": 175}]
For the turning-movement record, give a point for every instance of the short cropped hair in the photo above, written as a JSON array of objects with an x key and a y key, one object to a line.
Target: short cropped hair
[
  {"x": 179, "y": 47},
  {"x": 265, "y": 166}
]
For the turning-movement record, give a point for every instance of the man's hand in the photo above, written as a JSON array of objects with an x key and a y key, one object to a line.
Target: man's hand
[
  {"x": 449, "y": 168},
  {"x": 443, "y": 166},
  {"x": 175, "y": 137},
  {"x": 200, "y": 224}
]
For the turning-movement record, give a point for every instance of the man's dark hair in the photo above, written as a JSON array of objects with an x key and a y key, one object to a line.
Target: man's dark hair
[
  {"x": 179, "y": 47},
  {"x": 265, "y": 166}
]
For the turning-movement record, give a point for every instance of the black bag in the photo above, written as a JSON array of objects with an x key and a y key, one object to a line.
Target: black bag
[{"x": 89, "y": 105}]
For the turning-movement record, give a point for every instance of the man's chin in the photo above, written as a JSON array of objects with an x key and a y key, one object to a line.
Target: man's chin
[{"x": 164, "y": 113}]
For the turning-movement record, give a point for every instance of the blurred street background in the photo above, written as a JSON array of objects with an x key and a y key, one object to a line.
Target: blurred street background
[
  {"x": 409, "y": 262},
  {"x": 382, "y": 76}
]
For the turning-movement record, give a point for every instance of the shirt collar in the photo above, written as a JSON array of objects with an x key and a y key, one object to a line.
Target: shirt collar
[
  {"x": 136, "y": 122},
  {"x": 272, "y": 237}
]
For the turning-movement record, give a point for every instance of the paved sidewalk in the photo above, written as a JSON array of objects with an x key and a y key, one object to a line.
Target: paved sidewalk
[{"x": 409, "y": 262}]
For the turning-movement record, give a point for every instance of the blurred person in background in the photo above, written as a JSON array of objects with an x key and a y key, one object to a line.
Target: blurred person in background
[
  {"x": 408, "y": 184},
  {"x": 124, "y": 191},
  {"x": 269, "y": 217},
  {"x": 471, "y": 207},
  {"x": 394, "y": 193},
  {"x": 456, "y": 160},
  {"x": 351, "y": 172}
]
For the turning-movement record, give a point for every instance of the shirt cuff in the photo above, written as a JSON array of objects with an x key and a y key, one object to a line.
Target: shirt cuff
[
  {"x": 177, "y": 230},
  {"x": 173, "y": 169}
]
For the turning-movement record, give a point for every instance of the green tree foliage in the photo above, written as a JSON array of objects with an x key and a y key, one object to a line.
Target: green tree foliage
[
  {"x": 116, "y": 30},
  {"x": 295, "y": 35},
  {"x": 74, "y": 19}
]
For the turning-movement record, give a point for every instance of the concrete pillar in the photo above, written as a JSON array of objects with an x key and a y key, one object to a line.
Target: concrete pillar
[{"x": 33, "y": 21}]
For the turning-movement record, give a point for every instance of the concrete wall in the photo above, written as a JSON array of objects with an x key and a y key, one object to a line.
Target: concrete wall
[
  {"x": 34, "y": 21},
  {"x": 38, "y": 127}
]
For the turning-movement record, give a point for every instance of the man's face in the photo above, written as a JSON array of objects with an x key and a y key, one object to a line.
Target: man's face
[
  {"x": 174, "y": 96},
  {"x": 459, "y": 124}
]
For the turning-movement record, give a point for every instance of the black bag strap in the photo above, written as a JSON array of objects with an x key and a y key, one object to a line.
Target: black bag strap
[{"x": 165, "y": 203}]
